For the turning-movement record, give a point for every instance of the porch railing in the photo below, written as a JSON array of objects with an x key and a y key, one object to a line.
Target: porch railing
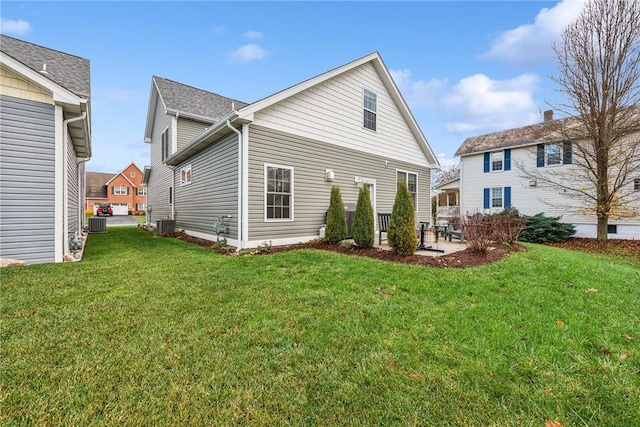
[{"x": 448, "y": 211}]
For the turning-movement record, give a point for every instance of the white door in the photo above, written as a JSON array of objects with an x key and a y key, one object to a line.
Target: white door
[{"x": 120, "y": 209}]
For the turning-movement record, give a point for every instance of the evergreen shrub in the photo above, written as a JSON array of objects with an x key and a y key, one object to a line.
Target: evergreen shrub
[
  {"x": 546, "y": 229},
  {"x": 363, "y": 229},
  {"x": 336, "y": 226},
  {"x": 402, "y": 230}
]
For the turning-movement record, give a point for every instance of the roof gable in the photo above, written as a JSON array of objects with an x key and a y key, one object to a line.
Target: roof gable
[{"x": 68, "y": 71}]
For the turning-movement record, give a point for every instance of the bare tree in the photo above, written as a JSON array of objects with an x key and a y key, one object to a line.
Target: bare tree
[
  {"x": 599, "y": 72},
  {"x": 447, "y": 174}
]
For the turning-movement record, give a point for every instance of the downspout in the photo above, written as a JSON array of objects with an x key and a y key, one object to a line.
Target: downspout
[
  {"x": 173, "y": 191},
  {"x": 82, "y": 190},
  {"x": 65, "y": 186},
  {"x": 240, "y": 236}
]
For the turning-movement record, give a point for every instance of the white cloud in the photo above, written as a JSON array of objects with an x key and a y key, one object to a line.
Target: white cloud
[
  {"x": 253, "y": 35},
  {"x": 247, "y": 53},
  {"x": 421, "y": 93},
  {"x": 531, "y": 44},
  {"x": 19, "y": 27},
  {"x": 478, "y": 104}
]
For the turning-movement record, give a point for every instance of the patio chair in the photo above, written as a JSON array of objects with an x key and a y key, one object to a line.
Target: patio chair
[
  {"x": 383, "y": 225},
  {"x": 455, "y": 233}
]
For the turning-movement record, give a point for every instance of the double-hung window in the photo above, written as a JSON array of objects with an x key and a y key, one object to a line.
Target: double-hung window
[
  {"x": 554, "y": 154},
  {"x": 497, "y": 197},
  {"x": 119, "y": 190},
  {"x": 278, "y": 193},
  {"x": 497, "y": 161},
  {"x": 411, "y": 181},
  {"x": 370, "y": 110},
  {"x": 141, "y": 191}
]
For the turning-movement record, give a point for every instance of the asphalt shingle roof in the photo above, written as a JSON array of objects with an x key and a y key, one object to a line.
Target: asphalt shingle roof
[
  {"x": 96, "y": 184},
  {"x": 69, "y": 71},
  {"x": 194, "y": 101}
]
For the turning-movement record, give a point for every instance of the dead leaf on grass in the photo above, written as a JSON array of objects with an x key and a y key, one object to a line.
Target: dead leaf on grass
[
  {"x": 627, "y": 337},
  {"x": 607, "y": 352},
  {"x": 591, "y": 290},
  {"x": 623, "y": 356},
  {"x": 559, "y": 323},
  {"x": 382, "y": 291},
  {"x": 552, "y": 424}
]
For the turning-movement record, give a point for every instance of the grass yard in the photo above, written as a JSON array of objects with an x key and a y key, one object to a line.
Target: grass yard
[{"x": 156, "y": 331}]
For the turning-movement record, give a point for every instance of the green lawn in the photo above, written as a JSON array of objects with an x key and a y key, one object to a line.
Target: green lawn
[{"x": 155, "y": 331}]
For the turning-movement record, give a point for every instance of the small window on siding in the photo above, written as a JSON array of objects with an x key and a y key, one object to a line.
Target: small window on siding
[
  {"x": 411, "y": 180},
  {"x": 612, "y": 229},
  {"x": 165, "y": 144},
  {"x": 278, "y": 193},
  {"x": 370, "y": 109},
  {"x": 497, "y": 200},
  {"x": 185, "y": 175},
  {"x": 554, "y": 154},
  {"x": 132, "y": 174},
  {"x": 636, "y": 184}
]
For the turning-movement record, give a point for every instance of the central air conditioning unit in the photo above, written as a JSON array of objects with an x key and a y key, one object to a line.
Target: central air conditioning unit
[
  {"x": 165, "y": 226},
  {"x": 97, "y": 225}
]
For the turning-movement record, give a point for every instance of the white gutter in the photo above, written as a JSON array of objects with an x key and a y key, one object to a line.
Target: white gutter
[
  {"x": 65, "y": 186},
  {"x": 240, "y": 180}
]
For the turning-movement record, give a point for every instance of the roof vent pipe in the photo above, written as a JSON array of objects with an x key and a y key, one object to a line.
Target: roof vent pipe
[{"x": 44, "y": 69}]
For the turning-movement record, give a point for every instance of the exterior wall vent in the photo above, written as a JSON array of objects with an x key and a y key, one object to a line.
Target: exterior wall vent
[{"x": 165, "y": 226}]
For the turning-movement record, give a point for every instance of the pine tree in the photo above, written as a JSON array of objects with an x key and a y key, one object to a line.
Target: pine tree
[
  {"x": 336, "y": 227},
  {"x": 363, "y": 229},
  {"x": 402, "y": 230}
]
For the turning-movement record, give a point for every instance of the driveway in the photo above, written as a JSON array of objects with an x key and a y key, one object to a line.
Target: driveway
[{"x": 120, "y": 220}]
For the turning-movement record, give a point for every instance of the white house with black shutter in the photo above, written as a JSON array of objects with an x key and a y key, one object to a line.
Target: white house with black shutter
[{"x": 499, "y": 170}]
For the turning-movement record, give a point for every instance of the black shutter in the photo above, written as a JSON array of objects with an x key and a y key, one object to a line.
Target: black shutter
[
  {"x": 566, "y": 153},
  {"x": 540, "y": 156}
]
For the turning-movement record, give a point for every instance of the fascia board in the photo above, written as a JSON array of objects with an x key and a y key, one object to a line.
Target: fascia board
[
  {"x": 151, "y": 111},
  {"x": 124, "y": 176},
  {"x": 60, "y": 94}
]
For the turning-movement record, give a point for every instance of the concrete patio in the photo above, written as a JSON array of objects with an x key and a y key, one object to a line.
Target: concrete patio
[{"x": 430, "y": 241}]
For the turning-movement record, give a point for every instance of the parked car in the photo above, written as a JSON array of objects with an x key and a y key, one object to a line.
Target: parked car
[{"x": 104, "y": 210}]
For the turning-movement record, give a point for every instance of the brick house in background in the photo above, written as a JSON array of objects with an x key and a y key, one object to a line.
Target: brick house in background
[{"x": 124, "y": 191}]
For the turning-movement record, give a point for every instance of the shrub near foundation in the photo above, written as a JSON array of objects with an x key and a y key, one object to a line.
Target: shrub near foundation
[
  {"x": 336, "y": 227},
  {"x": 402, "y": 230},
  {"x": 363, "y": 229}
]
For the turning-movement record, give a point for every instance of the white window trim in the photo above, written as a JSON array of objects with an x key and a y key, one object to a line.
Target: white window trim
[
  {"x": 417, "y": 185},
  {"x": 119, "y": 187},
  {"x": 491, "y": 153},
  {"x": 364, "y": 108},
  {"x": 496, "y": 208},
  {"x": 183, "y": 171},
  {"x": 264, "y": 206}
]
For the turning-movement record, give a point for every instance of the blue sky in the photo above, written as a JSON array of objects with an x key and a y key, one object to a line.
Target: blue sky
[{"x": 464, "y": 68}]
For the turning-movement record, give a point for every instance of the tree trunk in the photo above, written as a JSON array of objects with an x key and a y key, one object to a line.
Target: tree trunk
[{"x": 603, "y": 224}]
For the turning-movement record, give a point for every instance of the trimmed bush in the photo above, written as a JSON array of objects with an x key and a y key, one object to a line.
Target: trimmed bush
[
  {"x": 402, "y": 224},
  {"x": 363, "y": 229},
  {"x": 336, "y": 227},
  {"x": 545, "y": 229}
]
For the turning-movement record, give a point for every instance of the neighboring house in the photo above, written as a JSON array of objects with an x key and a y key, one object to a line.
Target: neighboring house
[
  {"x": 124, "y": 191},
  {"x": 447, "y": 196},
  {"x": 491, "y": 179},
  {"x": 45, "y": 140},
  {"x": 270, "y": 165}
]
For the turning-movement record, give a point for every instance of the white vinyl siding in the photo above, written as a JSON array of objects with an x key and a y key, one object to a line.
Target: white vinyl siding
[{"x": 331, "y": 112}]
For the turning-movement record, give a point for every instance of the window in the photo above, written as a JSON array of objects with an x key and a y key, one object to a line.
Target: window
[
  {"x": 411, "y": 180},
  {"x": 497, "y": 161},
  {"x": 497, "y": 197},
  {"x": 185, "y": 175},
  {"x": 165, "y": 144},
  {"x": 132, "y": 174},
  {"x": 554, "y": 154},
  {"x": 612, "y": 229},
  {"x": 119, "y": 190},
  {"x": 636, "y": 184},
  {"x": 370, "y": 109},
  {"x": 141, "y": 191},
  {"x": 141, "y": 207},
  {"x": 279, "y": 192}
]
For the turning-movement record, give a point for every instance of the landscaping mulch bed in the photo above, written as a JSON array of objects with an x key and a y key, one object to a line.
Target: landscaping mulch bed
[
  {"x": 616, "y": 247},
  {"x": 461, "y": 259}
]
